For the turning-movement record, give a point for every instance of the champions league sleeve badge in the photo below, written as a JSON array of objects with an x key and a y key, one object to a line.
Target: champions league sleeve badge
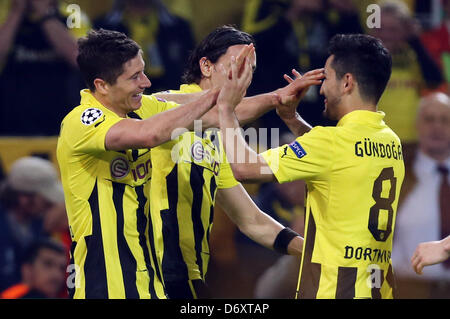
[{"x": 90, "y": 115}]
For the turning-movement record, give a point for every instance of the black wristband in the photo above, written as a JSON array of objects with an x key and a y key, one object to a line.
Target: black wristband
[{"x": 283, "y": 239}]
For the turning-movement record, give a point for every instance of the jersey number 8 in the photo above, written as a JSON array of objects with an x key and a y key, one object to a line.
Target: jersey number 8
[{"x": 381, "y": 203}]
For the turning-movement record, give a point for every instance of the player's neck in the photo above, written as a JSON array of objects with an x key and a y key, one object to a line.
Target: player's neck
[
  {"x": 352, "y": 103},
  {"x": 205, "y": 84},
  {"x": 106, "y": 103}
]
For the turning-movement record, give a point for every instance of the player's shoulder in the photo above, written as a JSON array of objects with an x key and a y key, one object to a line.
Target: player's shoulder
[
  {"x": 320, "y": 132},
  {"x": 84, "y": 114},
  {"x": 155, "y": 104},
  {"x": 84, "y": 119},
  {"x": 152, "y": 99}
]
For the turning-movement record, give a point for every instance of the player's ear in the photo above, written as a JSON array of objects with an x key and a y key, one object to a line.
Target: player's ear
[
  {"x": 101, "y": 86},
  {"x": 348, "y": 83},
  {"x": 205, "y": 67}
]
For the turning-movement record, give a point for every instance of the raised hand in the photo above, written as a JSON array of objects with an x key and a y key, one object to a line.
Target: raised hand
[
  {"x": 247, "y": 54},
  {"x": 291, "y": 94},
  {"x": 235, "y": 84}
]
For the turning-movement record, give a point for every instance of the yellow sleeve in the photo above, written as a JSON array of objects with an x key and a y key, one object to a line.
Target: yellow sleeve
[
  {"x": 86, "y": 128},
  {"x": 308, "y": 157},
  {"x": 226, "y": 176},
  {"x": 152, "y": 105}
]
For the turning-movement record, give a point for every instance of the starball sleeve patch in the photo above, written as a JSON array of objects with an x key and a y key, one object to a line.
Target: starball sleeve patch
[{"x": 90, "y": 115}]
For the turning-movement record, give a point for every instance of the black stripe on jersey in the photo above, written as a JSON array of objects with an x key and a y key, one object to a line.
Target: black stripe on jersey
[
  {"x": 346, "y": 280},
  {"x": 197, "y": 182},
  {"x": 376, "y": 293},
  {"x": 94, "y": 266},
  {"x": 212, "y": 190},
  {"x": 127, "y": 260},
  {"x": 135, "y": 155},
  {"x": 309, "y": 284},
  {"x": 173, "y": 265},
  {"x": 134, "y": 115},
  {"x": 141, "y": 226},
  {"x": 390, "y": 279},
  {"x": 71, "y": 289}
]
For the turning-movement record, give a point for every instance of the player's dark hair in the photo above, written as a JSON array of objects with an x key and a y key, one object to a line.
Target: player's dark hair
[
  {"x": 102, "y": 54},
  {"x": 213, "y": 47},
  {"x": 366, "y": 59},
  {"x": 32, "y": 252}
]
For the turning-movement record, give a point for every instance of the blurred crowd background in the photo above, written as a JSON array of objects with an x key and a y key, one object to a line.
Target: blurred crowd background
[{"x": 40, "y": 83}]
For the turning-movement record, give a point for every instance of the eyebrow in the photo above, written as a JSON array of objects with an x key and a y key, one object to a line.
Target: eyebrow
[{"x": 134, "y": 74}]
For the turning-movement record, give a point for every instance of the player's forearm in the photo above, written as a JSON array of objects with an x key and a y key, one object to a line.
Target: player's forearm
[
  {"x": 180, "y": 98},
  {"x": 8, "y": 32},
  {"x": 61, "y": 40},
  {"x": 243, "y": 160},
  {"x": 181, "y": 117},
  {"x": 251, "y": 108},
  {"x": 264, "y": 230},
  {"x": 295, "y": 247},
  {"x": 297, "y": 125},
  {"x": 247, "y": 111},
  {"x": 158, "y": 129}
]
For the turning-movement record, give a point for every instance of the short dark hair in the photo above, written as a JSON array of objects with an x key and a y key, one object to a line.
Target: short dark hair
[
  {"x": 213, "y": 47},
  {"x": 102, "y": 54},
  {"x": 366, "y": 59},
  {"x": 32, "y": 252}
]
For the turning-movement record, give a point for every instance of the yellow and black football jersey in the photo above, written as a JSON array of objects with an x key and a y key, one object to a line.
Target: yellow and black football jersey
[
  {"x": 107, "y": 202},
  {"x": 186, "y": 174},
  {"x": 353, "y": 173}
]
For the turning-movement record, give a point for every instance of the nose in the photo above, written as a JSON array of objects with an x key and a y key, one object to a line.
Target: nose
[{"x": 146, "y": 83}]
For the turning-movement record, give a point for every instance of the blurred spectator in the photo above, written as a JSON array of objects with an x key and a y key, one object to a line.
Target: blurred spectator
[
  {"x": 260, "y": 15},
  {"x": 413, "y": 69},
  {"x": 30, "y": 190},
  {"x": 286, "y": 203},
  {"x": 429, "y": 13},
  {"x": 43, "y": 272},
  {"x": 165, "y": 38},
  {"x": 38, "y": 78},
  {"x": 437, "y": 42},
  {"x": 299, "y": 39},
  {"x": 420, "y": 218}
]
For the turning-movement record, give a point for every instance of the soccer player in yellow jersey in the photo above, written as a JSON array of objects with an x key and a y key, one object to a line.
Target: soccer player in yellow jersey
[
  {"x": 104, "y": 156},
  {"x": 353, "y": 173},
  {"x": 191, "y": 172}
]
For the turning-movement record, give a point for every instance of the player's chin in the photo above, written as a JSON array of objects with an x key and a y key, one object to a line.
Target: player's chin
[{"x": 135, "y": 101}]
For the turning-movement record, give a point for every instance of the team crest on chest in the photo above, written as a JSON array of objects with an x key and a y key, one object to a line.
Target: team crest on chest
[
  {"x": 197, "y": 151},
  {"x": 90, "y": 115},
  {"x": 119, "y": 167}
]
